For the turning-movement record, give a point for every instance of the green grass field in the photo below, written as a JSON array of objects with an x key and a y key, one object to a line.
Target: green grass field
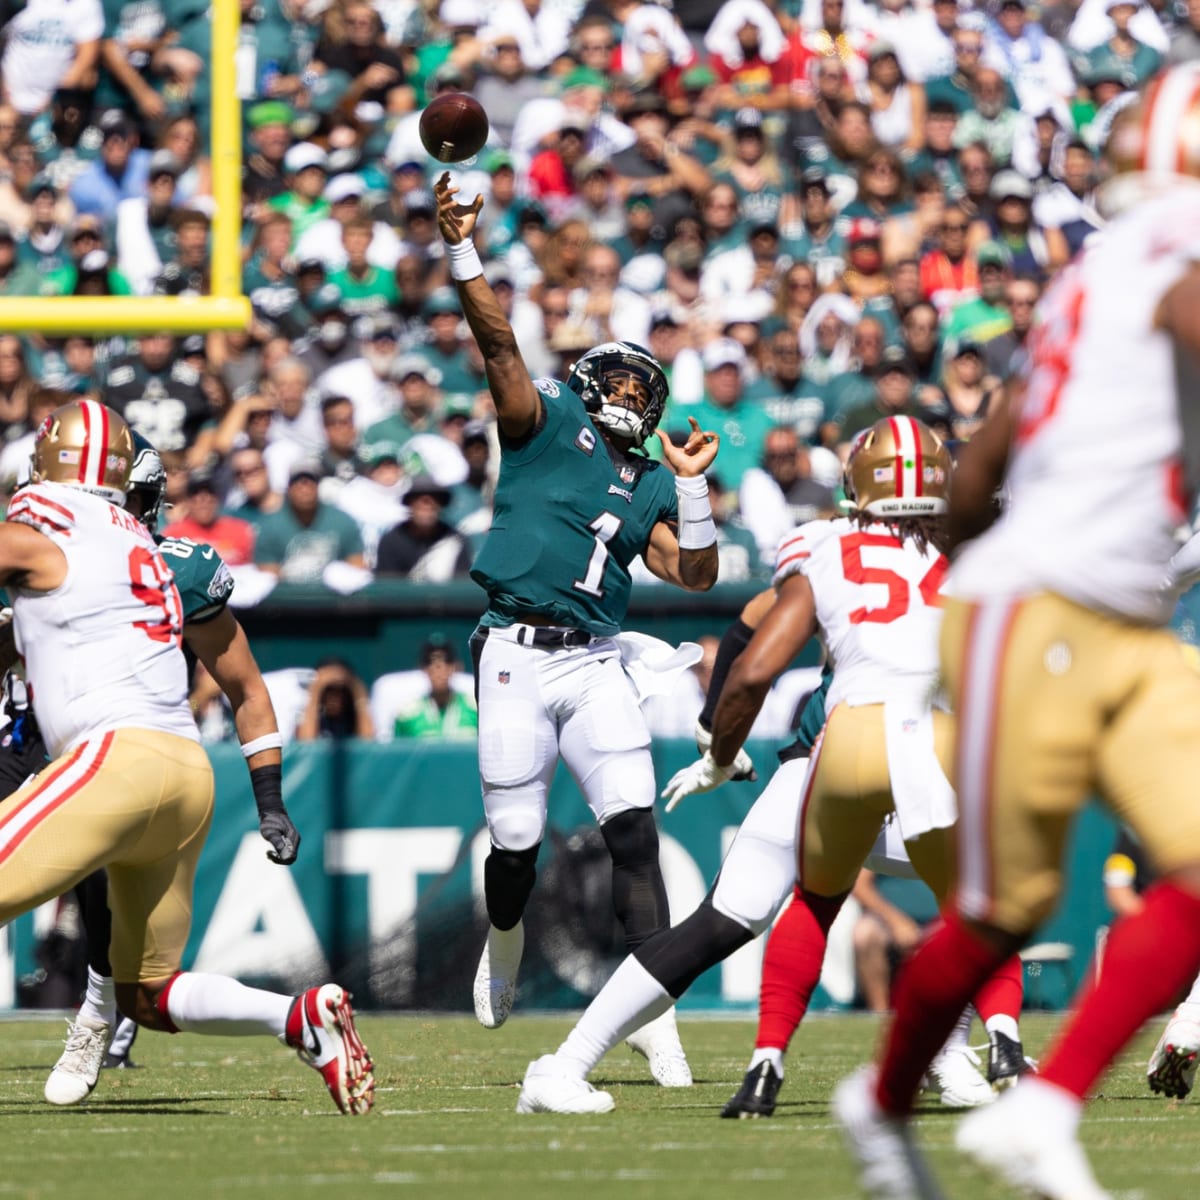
[{"x": 209, "y": 1117}]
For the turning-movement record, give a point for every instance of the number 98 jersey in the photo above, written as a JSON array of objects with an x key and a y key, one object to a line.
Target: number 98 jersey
[
  {"x": 878, "y": 602},
  {"x": 101, "y": 651}
]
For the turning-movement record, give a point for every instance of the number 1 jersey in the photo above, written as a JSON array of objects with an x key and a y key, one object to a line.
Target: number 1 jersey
[
  {"x": 568, "y": 522},
  {"x": 878, "y": 602},
  {"x": 102, "y": 650}
]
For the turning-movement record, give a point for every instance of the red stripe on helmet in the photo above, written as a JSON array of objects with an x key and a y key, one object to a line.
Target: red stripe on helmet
[
  {"x": 85, "y": 408},
  {"x": 918, "y": 458},
  {"x": 899, "y": 467},
  {"x": 102, "y": 449}
]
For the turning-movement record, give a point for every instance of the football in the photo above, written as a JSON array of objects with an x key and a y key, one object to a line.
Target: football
[{"x": 453, "y": 127}]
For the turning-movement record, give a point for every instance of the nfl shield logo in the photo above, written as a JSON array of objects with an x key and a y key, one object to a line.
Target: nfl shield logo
[
  {"x": 628, "y": 475},
  {"x": 504, "y": 676}
]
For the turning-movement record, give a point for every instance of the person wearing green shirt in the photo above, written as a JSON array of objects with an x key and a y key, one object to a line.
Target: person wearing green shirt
[
  {"x": 305, "y": 168},
  {"x": 305, "y": 535},
  {"x": 446, "y": 350},
  {"x": 985, "y": 316},
  {"x": 16, "y": 278},
  {"x": 443, "y": 712},
  {"x": 741, "y": 423},
  {"x": 365, "y": 288}
]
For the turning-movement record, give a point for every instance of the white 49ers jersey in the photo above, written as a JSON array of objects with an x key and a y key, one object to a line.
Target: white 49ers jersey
[
  {"x": 102, "y": 651},
  {"x": 1108, "y": 433},
  {"x": 878, "y": 607}
]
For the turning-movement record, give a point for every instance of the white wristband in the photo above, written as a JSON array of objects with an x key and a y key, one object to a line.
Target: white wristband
[
  {"x": 268, "y": 741},
  {"x": 464, "y": 260},
  {"x": 697, "y": 530}
]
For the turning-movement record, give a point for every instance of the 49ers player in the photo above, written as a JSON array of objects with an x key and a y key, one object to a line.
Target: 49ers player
[
  {"x": 99, "y": 622},
  {"x": 1061, "y": 670}
]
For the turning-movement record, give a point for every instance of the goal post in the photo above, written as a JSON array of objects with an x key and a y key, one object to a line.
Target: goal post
[{"x": 225, "y": 307}]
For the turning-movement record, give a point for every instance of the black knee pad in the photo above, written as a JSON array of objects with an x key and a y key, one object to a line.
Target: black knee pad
[
  {"x": 639, "y": 894},
  {"x": 508, "y": 877},
  {"x": 678, "y": 957}
]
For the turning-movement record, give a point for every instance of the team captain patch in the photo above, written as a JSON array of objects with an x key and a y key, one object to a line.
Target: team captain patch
[{"x": 585, "y": 439}]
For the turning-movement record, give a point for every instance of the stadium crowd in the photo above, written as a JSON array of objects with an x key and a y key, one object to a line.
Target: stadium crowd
[{"x": 812, "y": 214}]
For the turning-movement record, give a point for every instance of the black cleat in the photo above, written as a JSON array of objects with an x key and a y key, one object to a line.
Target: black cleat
[
  {"x": 756, "y": 1096},
  {"x": 1006, "y": 1062}
]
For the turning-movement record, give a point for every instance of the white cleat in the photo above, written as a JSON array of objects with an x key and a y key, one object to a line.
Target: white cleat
[
  {"x": 954, "y": 1077},
  {"x": 1012, "y": 1139},
  {"x": 75, "y": 1074},
  {"x": 496, "y": 979},
  {"x": 1172, "y": 1066},
  {"x": 889, "y": 1165},
  {"x": 658, "y": 1042},
  {"x": 548, "y": 1088}
]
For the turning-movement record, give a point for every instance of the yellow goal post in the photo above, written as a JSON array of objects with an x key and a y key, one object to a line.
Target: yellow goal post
[{"x": 226, "y": 307}]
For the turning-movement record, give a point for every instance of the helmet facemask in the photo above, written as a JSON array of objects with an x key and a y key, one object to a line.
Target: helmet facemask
[
  {"x": 147, "y": 481},
  {"x": 623, "y": 388}
]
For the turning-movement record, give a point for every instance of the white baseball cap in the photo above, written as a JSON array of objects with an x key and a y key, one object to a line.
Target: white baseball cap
[
  {"x": 302, "y": 155},
  {"x": 342, "y": 187}
]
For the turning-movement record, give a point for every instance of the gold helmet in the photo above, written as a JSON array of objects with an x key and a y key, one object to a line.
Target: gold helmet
[
  {"x": 87, "y": 445},
  {"x": 1154, "y": 142},
  {"x": 898, "y": 468}
]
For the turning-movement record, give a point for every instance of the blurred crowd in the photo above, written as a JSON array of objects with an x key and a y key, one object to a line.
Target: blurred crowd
[{"x": 813, "y": 212}]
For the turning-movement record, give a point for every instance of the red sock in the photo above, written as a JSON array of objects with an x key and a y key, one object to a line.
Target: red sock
[
  {"x": 934, "y": 987},
  {"x": 1002, "y": 994},
  {"x": 792, "y": 965},
  {"x": 1147, "y": 960}
]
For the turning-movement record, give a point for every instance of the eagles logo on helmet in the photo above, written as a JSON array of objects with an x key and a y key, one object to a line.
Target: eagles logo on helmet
[
  {"x": 623, "y": 387},
  {"x": 899, "y": 468},
  {"x": 147, "y": 481},
  {"x": 86, "y": 445}
]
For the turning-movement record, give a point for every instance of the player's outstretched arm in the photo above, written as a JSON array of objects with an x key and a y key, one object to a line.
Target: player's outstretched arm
[
  {"x": 518, "y": 405},
  {"x": 784, "y": 630},
  {"x": 221, "y": 645},
  {"x": 687, "y": 558}
]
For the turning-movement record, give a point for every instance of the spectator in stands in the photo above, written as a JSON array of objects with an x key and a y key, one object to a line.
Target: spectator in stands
[
  {"x": 984, "y": 317},
  {"x": 506, "y": 85},
  {"x": 424, "y": 547},
  {"x": 252, "y": 483},
  {"x": 16, "y": 279},
  {"x": 270, "y": 136},
  {"x": 1122, "y": 52},
  {"x": 897, "y": 105},
  {"x": 341, "y": 455},
  {"x": 883, "y": 935},
  {"x": 922, "y": 344},
  {"x": 446, "y": 348},
  {"x": 781, "y": 493},
  {"x": 337, "y": 705},
  {"x": 353, "y": 42},
  {"x": 894, "y": 397},
  {"x": 157, "y": 392},
  {"x": 231, "y": 537},
  {"x": 949, "y": 275},
  {"x": 781, "y": 388},
  {"x": 975, "y": 170},
  {"x": 970, "y": 392},
  {"x": 17, "y": 385},
  {"x": 856, "y": 385},
  {"x": 375, "y": 497},
  {"x": 820, "y": 246},
  {"x": 957, "y": 89},
  {"x": 1005, "y": 354},
  {"x": 270, "y": 280},
  {"x": 365, "y": 287},
  {"x": 1031, "y": 249},
  {"x": 19, "y": 436},
  {"x": 48, "y": 47},
  {"x": 742, "y": 424},
  {"x": 443, "y": 711},
  {"x": 145, "y": 231},
  {"x": 420, "y": 398},
  {"x": 325, "y": 239},
  {"x": 120, "y": 173},
  {"x": 1185, "y": 40},
  {"x": 305, "y": 535},
  {"x": 186, "y": 274},
  {"x": 1037, "y": 67},
  {"x": 990, "y": 120},
  {"x": 750, "y": 165},
  {"x": 883, "y": 189},
  {"x": 1068, "y": 205},
  {"x": 306, "y": 169}
]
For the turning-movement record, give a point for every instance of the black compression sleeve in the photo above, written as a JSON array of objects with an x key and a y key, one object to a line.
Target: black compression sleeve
[
  {"x": 267, "y": 783},
  {"x": 737, "y": 638}
]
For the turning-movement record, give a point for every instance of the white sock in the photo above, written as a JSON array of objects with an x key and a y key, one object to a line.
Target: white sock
[
  {"x": 771, "y": 1054},
  {"x": 960, "y": 1032},
  {"x": 1002, "y": 1023},
  {"x": 99, "y": 1005},
  {"x": 626, "y": 1002},
  {"x": 216, "y": 1004}
]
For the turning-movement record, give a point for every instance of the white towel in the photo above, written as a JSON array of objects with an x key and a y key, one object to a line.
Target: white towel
[
  {"x": 652, "y": 664},
  {"x": 923, "y": 796},
  {"x": 889, "y": 856}
]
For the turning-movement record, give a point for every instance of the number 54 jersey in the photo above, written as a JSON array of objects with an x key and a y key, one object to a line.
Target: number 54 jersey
[
  {"x": 878, "y": 606},
  {"x": 102, "y": 650}
]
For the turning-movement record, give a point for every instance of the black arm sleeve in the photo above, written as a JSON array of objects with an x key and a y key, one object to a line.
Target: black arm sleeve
[{"x": 737, "y": 638}]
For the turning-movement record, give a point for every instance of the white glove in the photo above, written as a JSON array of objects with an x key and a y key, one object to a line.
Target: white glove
[
  {"x": 742, "y": 767},
  {"x": 701, "y": 776}
]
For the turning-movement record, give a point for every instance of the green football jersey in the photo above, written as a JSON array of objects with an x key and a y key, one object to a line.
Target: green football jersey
[
  {"x": 812, "y": 716},
  {"x": 568, "y": 522},
  {"x": 203, "y": 579}
]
